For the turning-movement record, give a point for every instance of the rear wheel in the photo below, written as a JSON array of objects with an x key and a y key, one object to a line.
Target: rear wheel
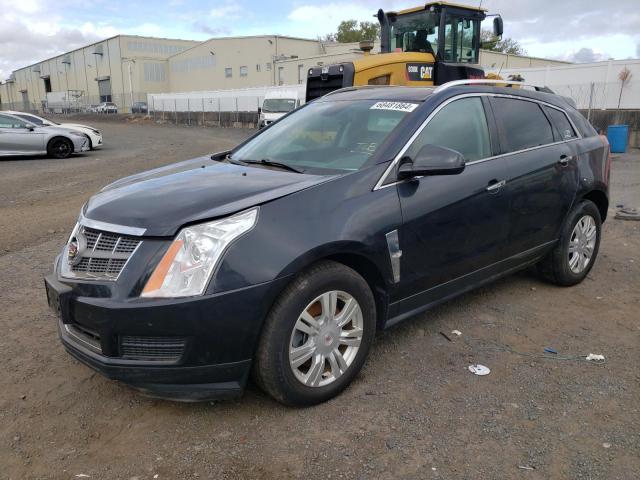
[
  {"x": 317, "y": 335},
  {"x": 575, "y": 253},
  {"x": 60, "y": 147}
]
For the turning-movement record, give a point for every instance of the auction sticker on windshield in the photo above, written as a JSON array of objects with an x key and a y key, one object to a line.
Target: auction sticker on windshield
[{"x": 399, "y": 106}]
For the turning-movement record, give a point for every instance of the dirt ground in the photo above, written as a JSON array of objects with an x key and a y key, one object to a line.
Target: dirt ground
[{"x": 415, "y": 411}]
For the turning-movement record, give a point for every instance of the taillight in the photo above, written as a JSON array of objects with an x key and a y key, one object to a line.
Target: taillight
[{"x": 608, "y": 159}]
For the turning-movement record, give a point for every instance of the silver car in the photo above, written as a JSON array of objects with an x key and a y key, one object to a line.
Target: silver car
[{"x": 19, "y": 137}]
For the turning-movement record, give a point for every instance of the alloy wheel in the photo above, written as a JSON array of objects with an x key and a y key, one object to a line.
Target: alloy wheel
[
  {"x": 326, "y": 338},
  {"x": 61, "y": 148},
  {"x": 582, "y": 244}
]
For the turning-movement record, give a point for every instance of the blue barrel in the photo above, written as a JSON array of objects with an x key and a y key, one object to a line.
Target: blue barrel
[{"x": 618, "y": 135}]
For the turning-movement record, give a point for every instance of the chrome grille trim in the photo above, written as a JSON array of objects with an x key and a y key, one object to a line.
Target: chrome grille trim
[
  {"x": 103, "y": 256},
  {"x": 110, "y": 227},
  {"x": 84, "y": 336}
]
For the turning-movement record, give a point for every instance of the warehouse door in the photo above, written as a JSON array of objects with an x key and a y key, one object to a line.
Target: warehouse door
[
  {"x": 104, "y": 89},
  {"x": 25, "y": 101}
]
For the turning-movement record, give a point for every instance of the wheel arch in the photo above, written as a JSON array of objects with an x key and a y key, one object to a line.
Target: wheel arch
[
  {"x": 372, "y": 275},
  {"x": 601, "y": 201},
  {"x": 352, "y": 255}
]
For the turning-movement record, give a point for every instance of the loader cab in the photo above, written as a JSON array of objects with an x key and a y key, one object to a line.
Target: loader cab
[
  {"x": 424, "y": 46},
  {"x": 450, "y": 33}
]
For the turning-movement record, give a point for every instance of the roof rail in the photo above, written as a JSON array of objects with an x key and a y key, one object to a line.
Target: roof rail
[{"x": 487, "y": 81}]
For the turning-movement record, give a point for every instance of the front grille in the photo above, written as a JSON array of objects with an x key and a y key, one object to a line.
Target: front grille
[
  {"x": 109, "y": 242},
  {"x": 161, "y": 349},
  {"x": 103, "y": 255}
]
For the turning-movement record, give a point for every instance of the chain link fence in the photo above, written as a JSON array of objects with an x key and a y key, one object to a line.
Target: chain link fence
[
  {"x": 240, "y": 112},
  {"x": 77, "y": 102}
]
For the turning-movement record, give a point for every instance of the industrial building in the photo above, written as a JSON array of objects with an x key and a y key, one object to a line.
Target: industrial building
[{"x": 124, "y": 69}]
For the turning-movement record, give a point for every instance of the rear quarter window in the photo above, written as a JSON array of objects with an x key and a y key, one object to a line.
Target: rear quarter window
[
  {"x": 582, "y": 124},
  {"x": 563, "y": 126},
  {"x": 523, "y": 124}
]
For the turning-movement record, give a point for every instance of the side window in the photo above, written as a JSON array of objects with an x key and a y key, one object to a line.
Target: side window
[
  {"x": 523, "y": 123},
  {"x": 461, "y": 126},
  {"x": 561, "y": 123},
  {"x": 10, "y": 122},
  {"x": 29, "y": 118}
]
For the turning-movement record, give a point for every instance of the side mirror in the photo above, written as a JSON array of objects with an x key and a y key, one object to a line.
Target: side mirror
[
  {"x": 431, "y": 160},
  {"x": 259, "y": 110},
  {"x": 498, "y": 26}
]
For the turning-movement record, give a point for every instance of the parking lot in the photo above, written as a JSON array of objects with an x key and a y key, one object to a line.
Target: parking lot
[{"x": 415, "y": 411}]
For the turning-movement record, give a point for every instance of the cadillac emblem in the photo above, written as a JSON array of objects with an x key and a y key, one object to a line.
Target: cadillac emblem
[{"x": 75, "y": 248}]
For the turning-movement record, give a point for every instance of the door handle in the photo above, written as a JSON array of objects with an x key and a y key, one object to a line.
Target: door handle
[
  {"x": 494, "y": 185},
  {"x": 564, "y": 160}
]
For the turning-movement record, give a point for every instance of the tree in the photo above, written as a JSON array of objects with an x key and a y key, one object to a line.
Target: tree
[
  {"x": 624, "y": 76},
  {"x": 352, "y": 31},
  {"x": 506, "y": 45}
]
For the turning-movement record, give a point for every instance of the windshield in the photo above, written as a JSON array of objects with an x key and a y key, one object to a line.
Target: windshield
[
  {"x": 418, "y": 32},
  {"x": 278, "y": 105},
  {"x": 415, "y": 32},
  {"x": 327, "y": 137}
]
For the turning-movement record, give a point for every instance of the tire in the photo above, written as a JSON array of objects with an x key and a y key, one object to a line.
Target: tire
[
  {"x": 60, "y": 147},
  {"x": 327, "y": 375},
  {"x": 566, "y": 268}
]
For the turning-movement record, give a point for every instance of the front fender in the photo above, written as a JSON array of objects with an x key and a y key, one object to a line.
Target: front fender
[{"x": 343, "y": 216}]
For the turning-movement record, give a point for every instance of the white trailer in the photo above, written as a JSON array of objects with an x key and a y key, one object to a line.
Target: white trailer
[{"x": 63, "y": 102}]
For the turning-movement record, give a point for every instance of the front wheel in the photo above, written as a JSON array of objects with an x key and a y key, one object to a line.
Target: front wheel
[
  {"x": 575, "y": 253},
  {"x": 317, "y": 335},
  {"x": 60, "y": 147}
]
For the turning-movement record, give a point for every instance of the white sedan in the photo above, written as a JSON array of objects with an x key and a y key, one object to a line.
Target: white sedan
[{"x": 94, "y": 136}]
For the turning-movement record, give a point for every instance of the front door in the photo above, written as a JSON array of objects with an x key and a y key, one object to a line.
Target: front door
[
  {"x": 453, "y": 225},
  {"x": 17, "y": 138}
]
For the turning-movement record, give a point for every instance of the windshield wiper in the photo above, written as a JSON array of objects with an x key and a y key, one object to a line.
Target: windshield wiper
[
  {"x": 227, "y": 158},
  {"x": 271, "y": 163}
]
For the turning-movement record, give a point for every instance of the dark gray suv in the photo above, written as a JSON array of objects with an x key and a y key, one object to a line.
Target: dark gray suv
[{"x": 283, "y": 256}]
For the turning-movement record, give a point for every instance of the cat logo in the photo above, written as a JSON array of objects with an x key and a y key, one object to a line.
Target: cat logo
[{"x": 419, "y": 71}]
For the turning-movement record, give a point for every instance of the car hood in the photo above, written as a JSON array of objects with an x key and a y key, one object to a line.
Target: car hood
[
  {"x": 76, "y": 126},
  {"x": 55, "y": 129},
  {"x": 162, "y": 200}
]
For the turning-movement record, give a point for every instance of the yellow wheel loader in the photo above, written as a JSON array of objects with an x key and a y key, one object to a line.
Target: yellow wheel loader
[{"x": 422, "y": 46}]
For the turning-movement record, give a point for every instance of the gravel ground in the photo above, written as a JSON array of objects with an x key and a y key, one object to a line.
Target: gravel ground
[{"x": 415, "y": 411}]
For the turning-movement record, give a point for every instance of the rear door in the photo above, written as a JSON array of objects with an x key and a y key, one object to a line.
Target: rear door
[
  {"x": 542, "y": 170},
  {"x": 453, "y": 225},
  {"x": 17, "y": 138}
]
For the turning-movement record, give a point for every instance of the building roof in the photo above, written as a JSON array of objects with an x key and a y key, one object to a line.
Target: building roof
[
  {"x": 102, "y": 41},
  {"x": 240, "y": 37}
]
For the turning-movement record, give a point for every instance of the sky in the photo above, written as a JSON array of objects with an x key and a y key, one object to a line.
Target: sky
[{"x": 33, "y": 30}]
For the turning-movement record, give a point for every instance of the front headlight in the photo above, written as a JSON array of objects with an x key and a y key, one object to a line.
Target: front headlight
[{"x": 186, "y": 267}]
